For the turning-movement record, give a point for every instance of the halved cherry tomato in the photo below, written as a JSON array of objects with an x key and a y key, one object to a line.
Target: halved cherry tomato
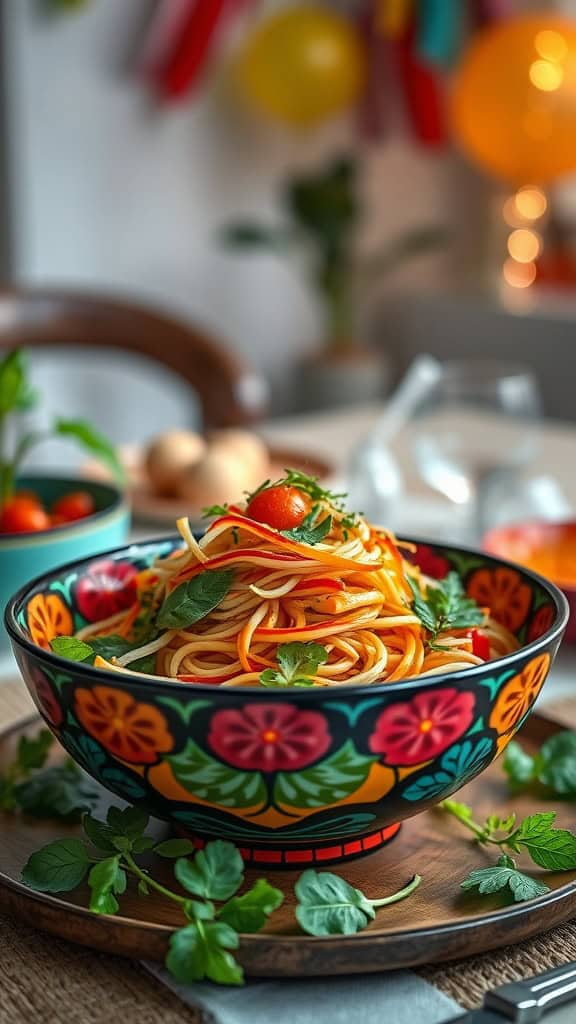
[
  {"x": 72, "y": 506},
  {"x": 282, "y": 507},
  {"x": 23, "y": 514},
  {"x": 480, "y": 644}
]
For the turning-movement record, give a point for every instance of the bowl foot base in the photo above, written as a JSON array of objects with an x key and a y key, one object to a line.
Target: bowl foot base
[{"x": 322, "y": 854}]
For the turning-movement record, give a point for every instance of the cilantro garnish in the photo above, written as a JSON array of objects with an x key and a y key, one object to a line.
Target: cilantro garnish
[
  {"x": 298, "y": 665},
  {"x": 445, "y": 607},
  {"x": 307, "y": 532}
]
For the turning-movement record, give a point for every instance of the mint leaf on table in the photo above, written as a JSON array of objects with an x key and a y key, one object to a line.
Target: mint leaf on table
[
  {"x": 33, "y": 753},
  {"x": 59, "y": 792},
  {"x": 107, "y": 879},
  {"x": 194, "y": 599},
  {"x": 518, "y": 765},
  {"x": 128, "y": 821},
  {"x": 298, "y": 665},
  {"x": 445, "y": 606},
  {"x": 307, "y": 532},
  {"x": 504, "y": 875},
  {"x": 249, "y": 912},
  {"x": 201, "y": 950},
  {"x": 215, "y": 873},
  {"x": 58, "y": 867},
  {"x": 93, "y": 442},
  {"x": 99, "y": 834},
  {"x": 551, "y": 848}
]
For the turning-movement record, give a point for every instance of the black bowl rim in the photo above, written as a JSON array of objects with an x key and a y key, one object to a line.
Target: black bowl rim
[
  {"x": 118, "y": 500},
  {"x": 89, "y": 672}
]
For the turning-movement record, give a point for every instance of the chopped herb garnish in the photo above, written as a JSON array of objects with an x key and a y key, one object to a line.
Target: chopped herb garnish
[
  {"x": 307, "y": 532},
  {"x": 445, "y": 607},
  {"x": 214, "y": 510},
  {"x": 298, "y": 665}
]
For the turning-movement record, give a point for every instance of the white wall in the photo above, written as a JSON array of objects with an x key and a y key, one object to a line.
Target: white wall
[{"x": 111, "y": 192}]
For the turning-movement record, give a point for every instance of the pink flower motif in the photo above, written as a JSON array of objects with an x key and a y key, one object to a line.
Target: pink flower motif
[
  {"x": 423, "y": 727},
  {"x": 269, "y": 737},
  {"x": 107, "y": 588},
  {"x": 430, "y": 563},
  {"x": 46, "y": 699}
]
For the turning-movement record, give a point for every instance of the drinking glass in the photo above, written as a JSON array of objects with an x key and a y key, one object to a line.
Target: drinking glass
[{"x": 478, "y": 425}]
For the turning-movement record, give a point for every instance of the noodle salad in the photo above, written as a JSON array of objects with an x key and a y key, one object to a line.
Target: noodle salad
[{"x": 289, "y": 589}]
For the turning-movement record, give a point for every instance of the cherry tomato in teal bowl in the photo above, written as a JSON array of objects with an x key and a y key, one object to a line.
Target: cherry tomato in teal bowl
[{"x": 26, "y": 552}]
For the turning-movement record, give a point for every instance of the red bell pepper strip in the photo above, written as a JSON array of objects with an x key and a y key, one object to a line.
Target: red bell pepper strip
[
  {"x": 480, "y": 644},
  {"x": 422, "y": 93},
  {"x": 188, "y": 59}
]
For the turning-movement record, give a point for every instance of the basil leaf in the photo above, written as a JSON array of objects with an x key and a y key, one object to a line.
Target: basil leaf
[
  {"x": 445, "y": 606},
  {"x": 216, "y": 872},
  {"x": 32, "y": 753},
  {"x": 194, "y": 599},
  {"x": 72, "y": 648},
  {"x": 57, "y": 867},
  {"x": 174, "y": 848},
  {"x": 92, "y": 441},
  {"x": 106, "y": 880},
  {"x": 327, "y": 905},
  {"x": 59, "y": 792},
  {"x": 197, "y": 953},
  {"x": 249, "y": 912}
]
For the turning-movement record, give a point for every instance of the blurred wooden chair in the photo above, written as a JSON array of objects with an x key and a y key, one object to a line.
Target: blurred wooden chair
[{"x": 229, "y": 393}]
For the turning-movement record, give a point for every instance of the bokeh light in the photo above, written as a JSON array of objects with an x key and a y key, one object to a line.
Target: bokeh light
[
  {"x": 530, "y": 202},
  {"x": 524, "y": 245},
  {"x": 518, "y": 275},
  {"x": 551, "y": 45},
  {"x": 546, "y": 75}
]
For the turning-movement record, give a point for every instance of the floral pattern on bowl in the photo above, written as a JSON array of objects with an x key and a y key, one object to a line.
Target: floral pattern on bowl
[{"x": 291, "y": 777}]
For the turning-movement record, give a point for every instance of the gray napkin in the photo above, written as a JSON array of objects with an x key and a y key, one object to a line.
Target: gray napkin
[{"x": 398, "y": 997}]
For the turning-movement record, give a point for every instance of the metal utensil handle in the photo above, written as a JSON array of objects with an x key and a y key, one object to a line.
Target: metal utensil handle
[{"x": 528, "y": 1001}]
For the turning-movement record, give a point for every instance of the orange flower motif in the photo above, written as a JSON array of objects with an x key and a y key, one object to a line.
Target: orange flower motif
[
  {"x": 504, "y": 593},
  {"x": 518, "y": 694},
  {"x": 134, "y": 732},
  {"x": 48, "y": 617}
]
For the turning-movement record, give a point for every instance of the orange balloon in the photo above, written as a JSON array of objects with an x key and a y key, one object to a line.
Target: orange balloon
[{"x": 514, "y": 99}]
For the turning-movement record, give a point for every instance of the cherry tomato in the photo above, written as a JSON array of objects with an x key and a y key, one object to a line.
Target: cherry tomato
[
  {"x": 71, "y": 506},
  {"x": 23, "y": 514},
  {"x": 282, "y": 507}
]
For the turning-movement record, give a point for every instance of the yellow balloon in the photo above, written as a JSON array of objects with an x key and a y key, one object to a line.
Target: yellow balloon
[
  {"x": 302, "y": 65},
  {"x": 514, "y": 99}
]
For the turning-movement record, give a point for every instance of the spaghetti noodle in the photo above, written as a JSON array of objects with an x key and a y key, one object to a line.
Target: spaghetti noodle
[{"x": 332, "y": 583}]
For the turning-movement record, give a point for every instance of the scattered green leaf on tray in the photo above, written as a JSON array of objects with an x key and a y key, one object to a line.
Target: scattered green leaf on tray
[
  {"x": 504, "y": 875},
  {"x": 553, "y": 767},
  {"x": 328, "y": 905},
  {"x": 62, "y": 791},
  {"x": 548, "y": 847},
  {"x": 298, "y": 665}
]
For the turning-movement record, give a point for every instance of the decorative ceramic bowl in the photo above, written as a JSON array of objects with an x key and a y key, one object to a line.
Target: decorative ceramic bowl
[
  {"x": 549, "y": 548},
  {"x": 292, "y": 777},
  {"x": 24, "y": 555}
]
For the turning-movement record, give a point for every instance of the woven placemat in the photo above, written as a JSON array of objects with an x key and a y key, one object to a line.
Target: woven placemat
[{"x": 45, "y": 977}]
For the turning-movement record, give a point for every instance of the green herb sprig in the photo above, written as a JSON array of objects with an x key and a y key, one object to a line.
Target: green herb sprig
[
  {"x": 309, "y": 485},
  {"x": 213, "y": 914},
  {"x": 548, "y": 847},
  {"x": 444, "y": 607},
  {"x": 298, "y": 664},
  {"x": 62, "y": 791},
  {"x": 16, "y": 397},
  {"x": 552, "y": 770},
  {"x": 108, "y": 647},
  {"x": 310, "y": 531}
]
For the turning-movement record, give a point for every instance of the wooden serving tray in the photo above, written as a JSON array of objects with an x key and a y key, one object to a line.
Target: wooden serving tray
[{"x": 438, "y": 922}]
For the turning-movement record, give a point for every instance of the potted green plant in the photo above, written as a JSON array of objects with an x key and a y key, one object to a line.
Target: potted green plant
[{"x": 323, "y": 215}]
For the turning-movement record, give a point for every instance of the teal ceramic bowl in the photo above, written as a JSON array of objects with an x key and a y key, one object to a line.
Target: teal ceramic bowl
[{"x": 24, "y": 555}]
